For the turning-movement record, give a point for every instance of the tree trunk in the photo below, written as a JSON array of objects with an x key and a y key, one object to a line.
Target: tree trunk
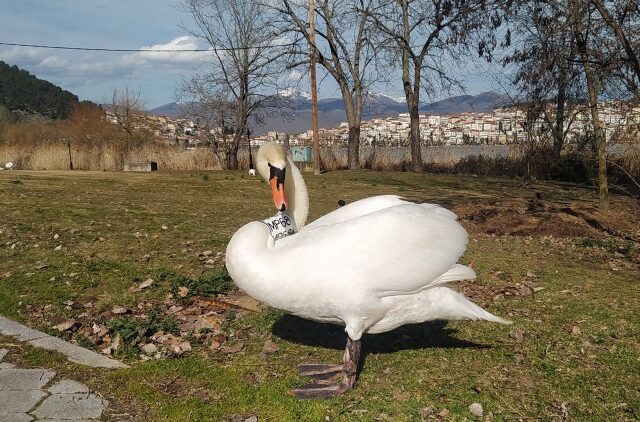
[
  {"x": 558, "y": 127},
  {"x": 353, "y": 147},
  {"x": 231, "y": 156},
  {"x": 414, "y": 138},
  {"x": 581, "y": 41}
]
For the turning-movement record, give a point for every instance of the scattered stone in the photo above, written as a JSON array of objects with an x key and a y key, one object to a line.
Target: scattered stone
[
  {"x": 476, "y": 409},
  {"x": 531, "y": 274},
  {"x": 206, "y": 253},
  {"x": 252, "y": 418},
  {"x": 269, "y": 347},
  {"x": 575, "y": 330},
  {"x": 118, "y": 310},
  {"x": 41, "y": 265},
  {"x": 56, "y": 236},
  {"x": 164, "y": 227},
  {"x": 58, "y": 248},
  {"x": 149, "y": 348}
]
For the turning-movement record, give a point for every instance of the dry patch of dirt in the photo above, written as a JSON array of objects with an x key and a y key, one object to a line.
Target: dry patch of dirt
[{"x": 537, "y": 218}]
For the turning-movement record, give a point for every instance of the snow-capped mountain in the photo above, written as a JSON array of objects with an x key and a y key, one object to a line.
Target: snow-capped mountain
[{"x": 331, "y": 110}]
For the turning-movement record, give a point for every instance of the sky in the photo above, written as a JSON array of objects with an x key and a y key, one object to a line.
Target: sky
[{"x": 133, "y": 24}]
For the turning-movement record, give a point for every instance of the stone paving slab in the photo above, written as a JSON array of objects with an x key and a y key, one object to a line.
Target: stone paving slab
[
  {"x": 73, "y": 352},
  {"x": 66, "y": 386},
  {"x": 21, "y": 332},
  {"x": 15, "y": 417},
  {"x": 19, "y": 401},
  {"x": 24, "y": 379},
  {"x": 71, "y": 406}
]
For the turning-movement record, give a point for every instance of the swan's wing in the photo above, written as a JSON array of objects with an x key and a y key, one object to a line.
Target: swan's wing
[
  {"x": 357, "y": 209},
  {"x": 396, "y": 250}
]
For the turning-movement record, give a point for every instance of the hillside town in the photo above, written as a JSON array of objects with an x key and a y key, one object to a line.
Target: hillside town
[{"x": 502, "y": 126}]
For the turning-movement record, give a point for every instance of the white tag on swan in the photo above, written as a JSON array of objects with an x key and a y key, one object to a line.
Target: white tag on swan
[{"x": 281, "y": 225}]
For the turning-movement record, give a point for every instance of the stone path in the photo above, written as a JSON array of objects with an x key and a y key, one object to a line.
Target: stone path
[
  {"x": 34, "y": 395},
  {"x": 73, "y": 352}
]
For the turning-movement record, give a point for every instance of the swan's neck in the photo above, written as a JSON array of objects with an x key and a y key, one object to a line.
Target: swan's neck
[{"x": 297, "y": 195}]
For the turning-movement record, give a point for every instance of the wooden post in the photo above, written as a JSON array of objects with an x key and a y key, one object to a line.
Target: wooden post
[
  {"x": 314, "y": 89},
  {"x": 68, "y": 144}
]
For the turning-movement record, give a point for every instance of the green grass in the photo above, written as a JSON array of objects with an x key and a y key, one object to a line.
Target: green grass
[{"x": 110, "y": 229}]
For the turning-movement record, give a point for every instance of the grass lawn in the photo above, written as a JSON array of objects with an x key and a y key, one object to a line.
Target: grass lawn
[{"x": 573, "y": 351}]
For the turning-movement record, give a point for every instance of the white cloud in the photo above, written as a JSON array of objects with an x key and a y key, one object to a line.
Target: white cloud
[{"x": 94, "y": 64}]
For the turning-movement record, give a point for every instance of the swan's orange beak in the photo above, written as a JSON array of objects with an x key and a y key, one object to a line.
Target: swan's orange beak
[{"x": 276, "y": 180}]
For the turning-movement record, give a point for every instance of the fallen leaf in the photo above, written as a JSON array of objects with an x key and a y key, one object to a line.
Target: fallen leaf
[
  {"x": 183, "y": 291},
  {"x": 147, "y": 283},
  {"x": 116, "y": 344},
  {"x": 235, "y": 348},
  {"x": 118, "y": 310},
  {"x": 64, "y": 326},
  {"x": 269, "y": 347},
  {"x": 149, "y": 348}
]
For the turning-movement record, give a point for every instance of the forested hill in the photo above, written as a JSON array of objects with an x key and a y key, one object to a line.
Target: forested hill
[{"x": 21, "y": 91}]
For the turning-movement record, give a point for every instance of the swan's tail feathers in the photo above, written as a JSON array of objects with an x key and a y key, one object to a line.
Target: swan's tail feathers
[
  {"x": 458, "y": 272},
  {"x": 455, "y": 306}
]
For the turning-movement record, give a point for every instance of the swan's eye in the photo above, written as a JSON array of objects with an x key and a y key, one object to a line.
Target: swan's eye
[{"x": 269, "y": 164}]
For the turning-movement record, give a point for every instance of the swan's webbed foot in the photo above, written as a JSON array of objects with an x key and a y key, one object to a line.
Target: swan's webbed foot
[
  {"x": 324, "y": 386},
  {"x": 319, "y": 371}
]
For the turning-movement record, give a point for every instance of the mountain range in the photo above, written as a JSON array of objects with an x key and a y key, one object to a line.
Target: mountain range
[{"x": 331, "y": 110}]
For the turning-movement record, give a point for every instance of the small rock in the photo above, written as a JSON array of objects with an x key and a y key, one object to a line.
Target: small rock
[
  {"x": 575, "y": 330},
  {"x": 269, "y": 347},
  {"x": 149, "y": 348},
  {"x": 476, "y": 409},
  {"x": 58, "y": 248},
  {"x": 530, "y": 274},
  {"x": 56, "y": 236},
  {"x": 164, "y": 227},
  {"x": 118, "y": 310},
  {"x": 206, "y": 253},
  {"x": 252, "y": 418}
]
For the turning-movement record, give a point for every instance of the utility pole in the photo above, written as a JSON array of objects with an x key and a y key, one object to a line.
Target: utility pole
[{"x": 314, "y": 89}]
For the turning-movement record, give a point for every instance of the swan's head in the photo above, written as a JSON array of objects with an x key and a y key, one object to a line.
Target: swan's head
[{"x": 271, "y": 163}]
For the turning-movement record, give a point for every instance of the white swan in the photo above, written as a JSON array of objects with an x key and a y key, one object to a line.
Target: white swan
[{"x": 372, "y": 265}]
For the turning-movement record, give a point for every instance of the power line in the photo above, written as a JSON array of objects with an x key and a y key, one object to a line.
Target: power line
[{"x": 139, "y": 50}]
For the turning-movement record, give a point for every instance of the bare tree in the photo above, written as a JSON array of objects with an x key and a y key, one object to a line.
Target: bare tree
[
  {"x": 623, "y": 18},
  {"x": 425, "y": 33},
  {"x": 246, "y": 59},
  {"x": 344, "y": 50},
  {"x": 546, "y": 72},
  {"x": 583, "y": 26},
  {"x": 211, "y": 107},
  {"x": 127, "y": 112}
]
